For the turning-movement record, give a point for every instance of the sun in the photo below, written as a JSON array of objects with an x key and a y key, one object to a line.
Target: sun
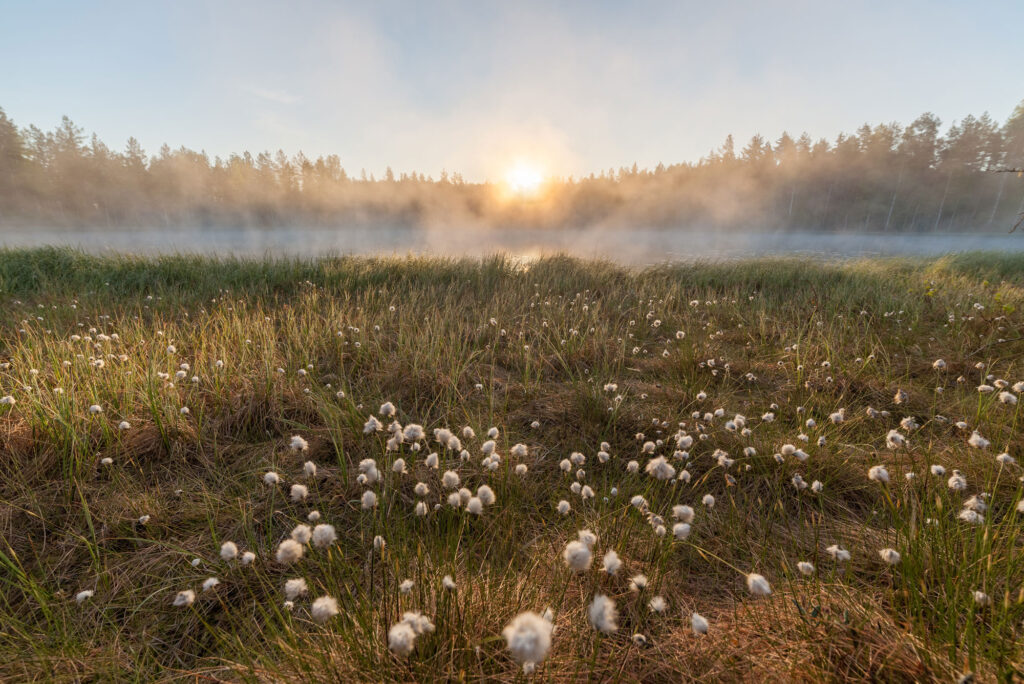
[{"x": 524, "y": 179}]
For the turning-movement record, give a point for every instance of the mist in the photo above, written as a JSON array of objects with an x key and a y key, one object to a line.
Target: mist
[{"x": 781, "y": 195}]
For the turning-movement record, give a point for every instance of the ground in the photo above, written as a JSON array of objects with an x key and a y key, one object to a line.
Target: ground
[{"x": 102, "y": 355}]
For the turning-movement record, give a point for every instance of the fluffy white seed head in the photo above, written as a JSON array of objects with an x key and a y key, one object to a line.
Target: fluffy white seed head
[
  {"x": 698, "y": 624},
  {"x": 889, "y": 556},
  {"x": 294, "y": 588},
  {"x": 528, "y": 637},
  {"x": 289, "y": 551},
  {"x": 577, "y": 556},
  {"x": 486, "y": 495},
  {"x": 324, "y": 535},
  {"x": 184, "y": 598},
  {"x": 602, "y": 614},
  {"x": 324, "y": 608},
  {"x": 229, "y": 550},
  {"x": 757, "y": 585}
]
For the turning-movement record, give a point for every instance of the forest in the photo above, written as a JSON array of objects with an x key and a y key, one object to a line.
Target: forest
[{"x": 883, "y": 178}]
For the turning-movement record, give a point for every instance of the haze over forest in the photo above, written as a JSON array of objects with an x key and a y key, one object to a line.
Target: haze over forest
[{"x": 918, "y": 177}]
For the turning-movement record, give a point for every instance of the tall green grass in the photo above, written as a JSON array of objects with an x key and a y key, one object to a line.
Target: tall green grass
[{"x": 505, "y": 343}]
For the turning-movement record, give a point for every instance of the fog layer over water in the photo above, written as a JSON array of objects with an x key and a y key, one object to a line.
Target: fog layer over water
[{"x": 635, "y": 246}]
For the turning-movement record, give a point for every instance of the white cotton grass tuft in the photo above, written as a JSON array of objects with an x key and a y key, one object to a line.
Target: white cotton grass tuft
[
  {"x": 603, "y": 615},
  {"x": 638, "y": 583},
  {"x": 368, "y": 500},
  {"x": 229, "y": 551},
  {"x": 577, "y": 556},
  {"x": 683, "y": 513},
  {"x": 878, "y": 473},
  {"x": 413, "y": 432},
  {"x": 971, "y": 516},
  {"x": 324, "y": 608},
  {"x": 183, "y": 599},
  {"x": 289, "y": 551},
  {"x": 294, "y": 588},
  {"x": 658, "y": 604},
  {"x": 660, "y": 469},
  {"x": 957, "y": 482},
  {"x": 486, "y": 495},
  {"x": 757, "y": 585},
  {"x": 309, "y": 468},
  {"x": 297, "y": 443},
  {"x": 248, "y": 557},
  {"x": 894, "y": 440},
  {"x": 805, "y": 568},
  {"x": 84, "y": 595},
  {"x": 298, "y": 493},
  {"x": 889, "y": 556},
  {"x": 448, "y": 583},
  {"x": 271, "y": 478},
  {"x": 324, "y": 535},
  {"x": 450, "y": 479},
  {"x": 301, "y": 533},
  {"x": 368, "y": 473},
  {"x": 528, "y": 637},
  {"x": 838, "y": 553},
  {"x": 587, "y": 537},
  {"x": 402, "y": 635},
  {"x": 977, "y": 441},
  {"x": 681, "y": 530},
  {"x": 611, "y": 563},
  {"x": 210, "y": 583},
  {"x": 699, "y": 624}
]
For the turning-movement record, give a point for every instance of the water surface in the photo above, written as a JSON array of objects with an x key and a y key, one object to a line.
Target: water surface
[{"x": 635, "y": 246}]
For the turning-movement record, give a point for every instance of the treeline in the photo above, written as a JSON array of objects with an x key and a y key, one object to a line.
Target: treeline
[{"x": 882, "y": 178}]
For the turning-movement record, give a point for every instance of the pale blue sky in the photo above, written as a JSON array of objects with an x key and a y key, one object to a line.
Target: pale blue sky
[{"x": 471, "y": 86}]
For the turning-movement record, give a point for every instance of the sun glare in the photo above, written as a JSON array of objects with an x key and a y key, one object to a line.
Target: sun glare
[{"x": 524, "y": 179}]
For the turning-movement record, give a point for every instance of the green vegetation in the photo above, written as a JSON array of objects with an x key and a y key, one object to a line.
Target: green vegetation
[
  {"x": 885, "y": 178},
  {"x": 560, "y": 355}
]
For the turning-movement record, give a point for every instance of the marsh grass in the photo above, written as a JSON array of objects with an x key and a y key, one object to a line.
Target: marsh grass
[{"x": 561, "y": 330}]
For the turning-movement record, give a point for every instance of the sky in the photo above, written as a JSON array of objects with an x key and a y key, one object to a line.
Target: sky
[{"x": 476, "y": 87}]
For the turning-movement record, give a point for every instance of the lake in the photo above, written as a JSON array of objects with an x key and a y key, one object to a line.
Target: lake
[{"x": 636, "y": 246}]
